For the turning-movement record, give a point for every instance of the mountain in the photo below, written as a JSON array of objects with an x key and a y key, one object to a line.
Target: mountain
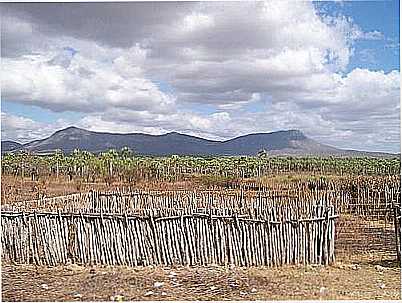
[
  {"x": 172, "y": 143},
  {"x": 291, "y": 142},
  {"x": 7, "y": 146}
]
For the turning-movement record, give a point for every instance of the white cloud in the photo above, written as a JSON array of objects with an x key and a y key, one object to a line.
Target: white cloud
[
  {"x": 197, "y": 21},
  {"x": 83, "y": 85},
  {"x": 256, "y": 67},
  {"x": 23, "y": 130}
]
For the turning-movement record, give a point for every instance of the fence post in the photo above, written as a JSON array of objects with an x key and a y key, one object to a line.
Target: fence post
[{"x": 397, "y": 227}]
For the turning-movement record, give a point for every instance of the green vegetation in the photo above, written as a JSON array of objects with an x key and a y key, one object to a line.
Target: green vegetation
[{"x": 126, "y": 166}]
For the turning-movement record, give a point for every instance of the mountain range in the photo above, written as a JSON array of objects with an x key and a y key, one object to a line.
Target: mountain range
[{"x": 290, "y": 142}]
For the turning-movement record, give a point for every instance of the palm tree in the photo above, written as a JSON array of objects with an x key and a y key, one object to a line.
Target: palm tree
[
  {"x": 109, "y": 158},
  {"x": 126, "y": 152},
  {"x": 57, "y": 159}
]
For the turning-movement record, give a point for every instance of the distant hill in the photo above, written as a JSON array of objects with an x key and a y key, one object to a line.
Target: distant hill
[
  {"x": 291, "y": 142},
  {"x": 7, "y": 146}
]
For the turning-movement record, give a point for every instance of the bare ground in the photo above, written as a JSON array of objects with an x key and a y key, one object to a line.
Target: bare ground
[
  {"x": 15, "y": 189},
  {"x": 374, "y": 276},
  {"x": 368, "y": 280}
]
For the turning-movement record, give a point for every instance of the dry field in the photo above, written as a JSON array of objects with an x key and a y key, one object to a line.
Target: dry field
[
  {"x": 18, "y": 189},
  {"x": 366, "y": 280},
  {"x": 15, "y": 189},
  {"x": 375, "y": 276}
]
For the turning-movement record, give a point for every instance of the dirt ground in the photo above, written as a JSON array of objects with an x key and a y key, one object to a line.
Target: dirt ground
[
  {"x": 367, "y": 280},
  {"x": 373, "y": 276},
  {"x": 14, "y": 189}
]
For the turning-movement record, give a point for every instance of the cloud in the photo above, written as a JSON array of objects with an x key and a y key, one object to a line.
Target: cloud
[
  {"x": 110, "y": 24},
  {"x": 68, "y": 81},
  {"x": 217, "y": 69},
  {"x": 23, "y": 130},
  {"x": 16, "y": 36},
  {"x": 367, "y": 55},
  {"x": 374, "y": 35}
]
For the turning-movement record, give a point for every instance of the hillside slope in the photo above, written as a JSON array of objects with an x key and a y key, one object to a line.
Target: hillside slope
[
  {"x": 291, "y": 142},
  {"x": 7, "y": 146}
]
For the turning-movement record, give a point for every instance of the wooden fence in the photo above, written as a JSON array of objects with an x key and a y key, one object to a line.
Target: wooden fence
[
  {"x": 368, "y": 223},
  {"x": 280, "y": 236},
  {"x": 397, "y": 224},
  {"x": 135, "y": 201},
  {"x": 369, "y": 197}
]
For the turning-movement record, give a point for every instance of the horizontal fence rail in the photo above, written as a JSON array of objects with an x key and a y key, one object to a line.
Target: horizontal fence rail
[
  {"x": 369, "y": 223},
  {"x": 367, "y": 198},
  {"x": 183, "y": 239}
]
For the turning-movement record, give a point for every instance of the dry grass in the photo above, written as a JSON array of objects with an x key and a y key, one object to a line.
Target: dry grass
[
  {"x": 363, "y": 238},
  {"x": 14, "y": 189},
  {"x": 68, "y": 283},
  {"x": 369, "y": 276}
]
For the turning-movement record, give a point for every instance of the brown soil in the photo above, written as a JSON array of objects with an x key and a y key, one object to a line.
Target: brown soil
[
  {"x": 353, "y": 277},
  {"x": 15, "y": 189},
  {"x": 367, "y": 280}
]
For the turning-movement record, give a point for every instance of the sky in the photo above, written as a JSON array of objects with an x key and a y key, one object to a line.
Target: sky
[{"x": 212, "y": 69}]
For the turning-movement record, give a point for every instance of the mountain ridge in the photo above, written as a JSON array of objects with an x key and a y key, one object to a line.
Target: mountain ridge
[
  {"x": 285, "y": 142},
  {"x": 8, "y": 145}
]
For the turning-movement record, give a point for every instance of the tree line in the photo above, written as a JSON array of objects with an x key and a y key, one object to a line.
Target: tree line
[{"x": 125, "y": 165}]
